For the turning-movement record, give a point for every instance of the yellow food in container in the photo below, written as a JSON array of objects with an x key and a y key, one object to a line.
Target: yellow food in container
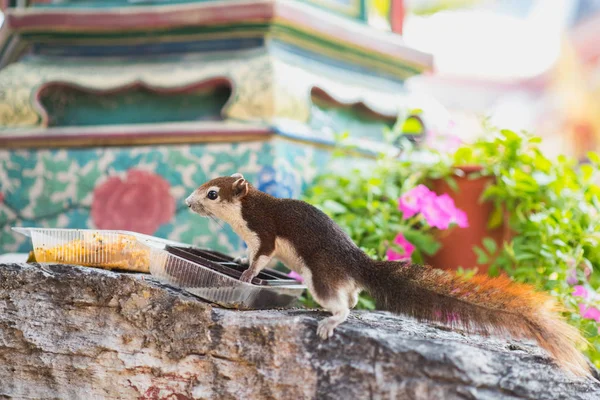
[
  {"x": 105, "y": 249},
  {"x": 120, "y": 251}
]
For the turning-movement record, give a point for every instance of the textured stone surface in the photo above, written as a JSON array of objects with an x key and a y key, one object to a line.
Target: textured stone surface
[{"x": 70, "y": 332}]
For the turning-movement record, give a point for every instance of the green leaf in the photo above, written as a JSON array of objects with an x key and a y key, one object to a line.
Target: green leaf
[
  {"x": 334, "y": 207},
  {"x": 426, "y": 243},
  {"x": 535, "y": 140},
  {"x": 482, "y": 258},
  {"x": 463, "y": 156},
  {"x": 452, "y": 183},
  {"x": 497, "y": 217},
  {"x": 587, "y": 172},
  {"x": 593, "y": 157},
  {"x": 490, "y": 245},
  {"x": 365, "y": 302}
]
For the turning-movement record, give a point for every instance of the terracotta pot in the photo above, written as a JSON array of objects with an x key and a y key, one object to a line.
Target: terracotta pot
[{"x": 457, "y": 243}]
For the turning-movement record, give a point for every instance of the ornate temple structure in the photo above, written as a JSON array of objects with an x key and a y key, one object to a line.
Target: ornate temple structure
[{"x": 113, "y": 111}]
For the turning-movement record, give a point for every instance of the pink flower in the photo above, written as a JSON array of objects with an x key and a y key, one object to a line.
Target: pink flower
[
  {"x": 580, "y": 291},
  {"x": 438, "y": 211},
  {"x": 140, "y": 203},
  {"x": 411, "y": 202},
  {"x": 589, "y": 312},
  {"x": 405, "y": 245},
  {"x": 460, "y": 219},
  {"x": 446, "y": 204},
  {"x": 435, "y": 216},
  {"x": 296, "y": 276},
  {"x": 1, "y": 197}
]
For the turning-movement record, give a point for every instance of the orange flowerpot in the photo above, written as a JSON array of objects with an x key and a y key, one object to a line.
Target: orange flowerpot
[{"x": 457, "y": 243}]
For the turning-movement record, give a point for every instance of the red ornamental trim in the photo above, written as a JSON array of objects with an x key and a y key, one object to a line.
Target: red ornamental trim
[
  {"x": 125, "y": 135},
  {"x": 158, "y": 17}
]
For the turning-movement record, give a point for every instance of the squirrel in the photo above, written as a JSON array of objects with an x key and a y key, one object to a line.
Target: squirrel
[{"x": 335, "y": 271}]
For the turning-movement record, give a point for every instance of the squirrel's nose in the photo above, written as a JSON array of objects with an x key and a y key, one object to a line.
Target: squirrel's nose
[{"x": 188, "y": 202}]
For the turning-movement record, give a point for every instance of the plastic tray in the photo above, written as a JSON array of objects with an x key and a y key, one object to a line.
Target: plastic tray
[
  {"x": 94, "y": 248},
  {"x": 226, "y": 265},
  {"x": 219, "y": 287}
]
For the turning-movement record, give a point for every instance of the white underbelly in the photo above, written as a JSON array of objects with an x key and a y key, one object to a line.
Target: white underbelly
[{"x": 286, "y": 253}]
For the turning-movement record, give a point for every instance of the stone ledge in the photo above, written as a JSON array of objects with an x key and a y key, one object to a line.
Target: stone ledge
[{"x": 72, "y": 332}]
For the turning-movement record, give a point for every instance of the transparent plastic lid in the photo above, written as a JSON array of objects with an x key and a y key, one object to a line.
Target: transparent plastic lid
[
  {"x": 219, "y": 287},
  {"x": 95, "y": 248}
]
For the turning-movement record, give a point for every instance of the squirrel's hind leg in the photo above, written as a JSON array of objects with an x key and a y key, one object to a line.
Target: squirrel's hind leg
[
  {"x": 337, "y": 303},
  {"x": 340, "y": 308},
  {"x": 337, "y": 299},
  {"x": 340, "y": 311}
]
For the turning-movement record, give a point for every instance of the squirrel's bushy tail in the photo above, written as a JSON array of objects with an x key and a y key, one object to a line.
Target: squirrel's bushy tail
[{"x": 481, "y": 304}]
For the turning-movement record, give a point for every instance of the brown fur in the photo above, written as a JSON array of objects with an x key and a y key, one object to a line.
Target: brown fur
[
  {"x": 338, "y": 268},
  {"x": 484, "y": 305}
]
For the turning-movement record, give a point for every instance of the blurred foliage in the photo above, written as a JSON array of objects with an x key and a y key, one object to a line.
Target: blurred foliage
[
  {"x": 553, "y": 212},
  {"x": 364, "y": 202}
]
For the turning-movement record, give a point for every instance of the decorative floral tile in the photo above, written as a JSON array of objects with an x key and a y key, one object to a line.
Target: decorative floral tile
[{"x": 141, "y": 188}]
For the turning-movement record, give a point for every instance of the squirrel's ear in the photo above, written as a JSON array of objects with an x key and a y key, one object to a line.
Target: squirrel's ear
[
  {"x": 237, "y": 175},
  {"x": 240, "y": 187}
]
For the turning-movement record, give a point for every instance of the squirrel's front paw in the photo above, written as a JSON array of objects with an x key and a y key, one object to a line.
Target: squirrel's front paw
[{"x": 247, "y": 276}]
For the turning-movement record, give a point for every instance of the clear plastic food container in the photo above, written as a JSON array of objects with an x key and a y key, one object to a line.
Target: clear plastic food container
[
  {"x": 209, "y": 275},
  {"x": 271, "y": 289},
  {"x": 93, "y": 248}
]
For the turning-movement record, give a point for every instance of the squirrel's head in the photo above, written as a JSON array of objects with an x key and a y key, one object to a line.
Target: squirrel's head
[{"x": 217, "y": 197}]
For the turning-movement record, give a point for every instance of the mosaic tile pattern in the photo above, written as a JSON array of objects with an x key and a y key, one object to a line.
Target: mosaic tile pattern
[{"x": 84, "y": 188}]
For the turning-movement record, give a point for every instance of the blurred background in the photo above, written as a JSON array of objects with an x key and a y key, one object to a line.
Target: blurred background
[
  {"x": 524, "y": 64},
  {"x": 111, "y": 112}
]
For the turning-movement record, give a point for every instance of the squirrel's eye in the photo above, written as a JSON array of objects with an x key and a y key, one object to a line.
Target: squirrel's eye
[{"x": 212, "y": 195}]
